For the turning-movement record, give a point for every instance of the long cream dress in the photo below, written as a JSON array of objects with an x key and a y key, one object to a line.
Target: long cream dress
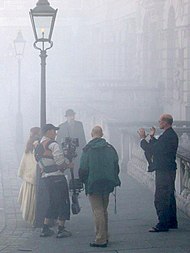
[{"x": 26, "y": 198}]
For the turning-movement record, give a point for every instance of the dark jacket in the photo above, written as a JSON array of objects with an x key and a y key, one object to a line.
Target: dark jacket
[
  {"x": 99, "y": 167},
  {"x": 163, "y": 150}
]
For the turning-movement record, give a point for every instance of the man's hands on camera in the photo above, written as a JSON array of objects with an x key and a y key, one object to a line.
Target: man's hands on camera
[
  {"x": 66, "y": 165},
  {"x": 142, "y": 133},
  {"x": 152, "y": 132},
  {"x": 70, "y": 165}
]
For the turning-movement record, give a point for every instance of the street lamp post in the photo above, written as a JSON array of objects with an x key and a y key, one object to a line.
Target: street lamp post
[
  {"x": 43, "y": 20},
  {"x": 19, "y": 45}
]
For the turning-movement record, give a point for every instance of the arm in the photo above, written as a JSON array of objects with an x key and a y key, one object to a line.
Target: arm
[
  {"x": 22, "y": 166},
  {"x": 116, "y": 160},
  {"x": 82, "y": 138},
  {"x": 62, "y": 162},
  {"x": 59, "y": 137},
  {"x": 147, "y": 146},
  {"x": 83, "y": 170},
  {"x": 116, "y": 166},
  {"x": 148, "y": 152}
]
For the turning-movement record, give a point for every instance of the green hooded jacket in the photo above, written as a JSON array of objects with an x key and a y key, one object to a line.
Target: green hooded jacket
[{"x": 99, "y": 167}]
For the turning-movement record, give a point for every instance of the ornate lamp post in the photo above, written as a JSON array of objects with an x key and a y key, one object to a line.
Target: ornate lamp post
[
  {"x": 19, "y": 45},
  {"x": 43, "y": 20}
]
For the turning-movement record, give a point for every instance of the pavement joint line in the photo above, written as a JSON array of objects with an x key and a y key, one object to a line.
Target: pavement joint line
[
  {"x": 4, "y": 248},
  {"x": 25, "y": 250}
]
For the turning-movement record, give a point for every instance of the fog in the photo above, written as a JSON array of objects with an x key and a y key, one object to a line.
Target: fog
[{"x": 93, "y": 66}]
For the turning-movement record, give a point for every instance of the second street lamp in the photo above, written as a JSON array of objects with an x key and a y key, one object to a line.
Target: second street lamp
[
  {"x": 43, "y": 20},
  {"x": 19, "y": 45}
]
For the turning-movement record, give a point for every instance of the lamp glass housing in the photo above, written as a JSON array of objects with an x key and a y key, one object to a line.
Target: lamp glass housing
[
  {"x": 43, "y": 19},
  {"x": 43, "y": 27},
  {"x": 19, "y": 44}
]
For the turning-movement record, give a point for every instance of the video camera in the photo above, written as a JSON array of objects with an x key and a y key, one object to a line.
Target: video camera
[{"x": 69, "y": 147}]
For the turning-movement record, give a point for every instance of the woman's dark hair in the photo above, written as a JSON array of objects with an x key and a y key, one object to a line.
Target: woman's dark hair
[{"x": 34, "y": 135}]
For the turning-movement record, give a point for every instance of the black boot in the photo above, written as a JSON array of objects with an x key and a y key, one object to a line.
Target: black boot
[
  {"x": 46, "y": 231},
  {"x": 62, "y": 232}
]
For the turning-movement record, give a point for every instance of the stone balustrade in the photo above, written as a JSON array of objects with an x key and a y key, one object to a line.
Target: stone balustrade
[{"x": 183, "y": 180}]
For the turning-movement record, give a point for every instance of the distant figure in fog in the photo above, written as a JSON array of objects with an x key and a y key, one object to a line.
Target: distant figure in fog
[
  {"x": 163, "y": 151},
  {"x": 27, "y": 172},
  {"x": 73, "y": 129},
  {"x": 99, "y": 171}
]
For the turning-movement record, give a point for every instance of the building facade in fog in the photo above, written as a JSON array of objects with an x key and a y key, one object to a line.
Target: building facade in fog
[
  {"x": 123, "y": 58},
  {"x": 140, "y": 51}
]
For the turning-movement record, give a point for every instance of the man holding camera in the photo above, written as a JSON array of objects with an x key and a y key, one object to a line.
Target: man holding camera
[
  {"x": 163, "y": 152},
  {"x": 99, "y": 171},
  {"x": 73, "y": 129},
  {"x": 52, "y": 164}
]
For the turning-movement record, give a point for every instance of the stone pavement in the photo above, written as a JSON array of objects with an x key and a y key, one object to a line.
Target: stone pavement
[{"x": 128, "y": 228}]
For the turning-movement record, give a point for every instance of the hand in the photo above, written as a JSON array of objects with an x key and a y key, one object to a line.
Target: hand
[
  {"x": 64, "y": 166},
  {"x": 142, "y": 133},
  {"x": 35, "y": 143},
  {"x": 152, "y": 132},
  {"x": 70, "y": 165}
]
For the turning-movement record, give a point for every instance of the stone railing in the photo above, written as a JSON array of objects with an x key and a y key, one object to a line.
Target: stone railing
[
  {"x": 126, "y": 140},
  {"x": 183, "y": 180}
]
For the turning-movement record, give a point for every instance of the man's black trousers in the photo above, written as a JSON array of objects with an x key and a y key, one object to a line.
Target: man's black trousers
[
  {"x": 165, "y": 202},
  {"x": 59, "y": 203}
]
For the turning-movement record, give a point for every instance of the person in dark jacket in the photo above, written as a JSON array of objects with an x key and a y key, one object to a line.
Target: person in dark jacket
[
  {"x": 99, "y": 171},
  {"x": 163, "y": 151}
]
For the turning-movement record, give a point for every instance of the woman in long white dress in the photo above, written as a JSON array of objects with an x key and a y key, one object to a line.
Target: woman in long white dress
[{"x": 27, "y": 172}]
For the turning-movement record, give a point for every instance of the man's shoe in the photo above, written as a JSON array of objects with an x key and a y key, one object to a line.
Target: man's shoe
[
  {"x": 156, "y": 230},
  {"x": 63, "y": 233},
  {"x": 93, "y": 244},
  {"x": 46, "y": 232}
]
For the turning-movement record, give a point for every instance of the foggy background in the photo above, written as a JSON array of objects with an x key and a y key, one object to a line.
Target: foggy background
[{"x": 111, "y": 60}]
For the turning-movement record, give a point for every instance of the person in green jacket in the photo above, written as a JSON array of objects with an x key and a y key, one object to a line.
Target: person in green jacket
[{"x": 99, "y": 171}]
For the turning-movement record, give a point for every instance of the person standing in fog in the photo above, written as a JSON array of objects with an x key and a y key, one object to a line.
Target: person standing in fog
[
  {"x": 52, "y": 165},
  {"x": 27, "y": 172},
  {"x": 163, "y": 151},
  {"x": 99, "y": 171},
  {"x": 73, "y": 129}
]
